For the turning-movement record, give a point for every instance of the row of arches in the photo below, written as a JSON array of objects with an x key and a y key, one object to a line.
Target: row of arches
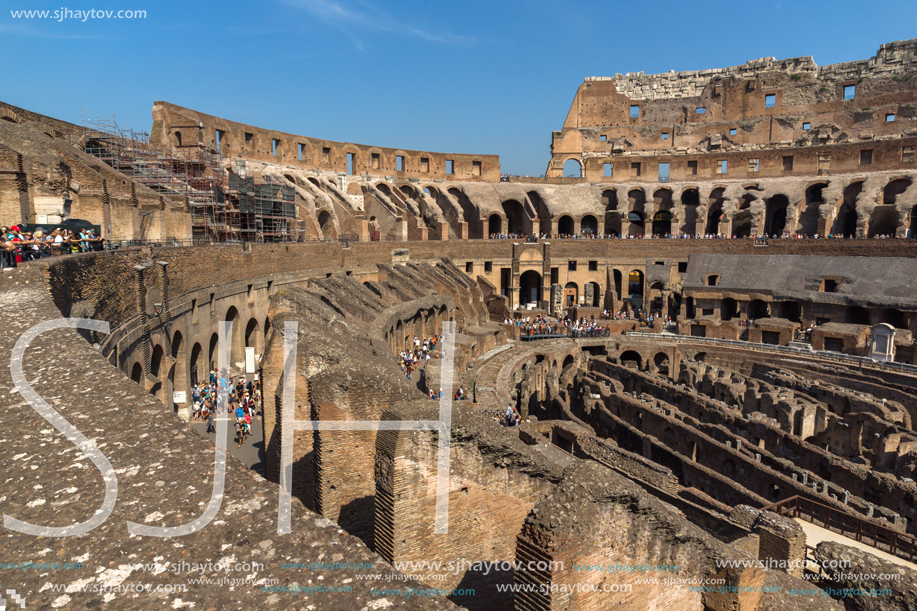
[
  {"x": 192, "y": 367},
  {"x": 634, "y": 220},
  {"x": 531, "y": 287},
  {"x": 424, "y": 324},
  {"x": 635, "y": 223}
]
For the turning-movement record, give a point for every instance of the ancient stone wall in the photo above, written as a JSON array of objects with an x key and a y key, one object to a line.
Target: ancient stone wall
[
  {"x": 751, "y": 116},
  {"x": 182, "y": 126}
]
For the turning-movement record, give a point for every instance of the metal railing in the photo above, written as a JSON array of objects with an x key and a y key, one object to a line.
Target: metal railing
[
  {"x": 854, "y": 527},
  {"x": 824, "y": 354},
  {"x": 528, "y": 338},
  {"x": 175, "y": 243}
]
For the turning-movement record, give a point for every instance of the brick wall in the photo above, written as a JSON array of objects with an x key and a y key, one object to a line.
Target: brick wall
[{"x": 493, "y": 485}]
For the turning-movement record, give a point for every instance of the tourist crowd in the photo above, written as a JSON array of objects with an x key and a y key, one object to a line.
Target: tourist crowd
[
  {"x": 243, "y": 396},
  {"x": 18, "y": 245},
  {"x": 646, "y": 319},
  {"x": 539, "y": 325},
  {"x": 409, "y": 360}
]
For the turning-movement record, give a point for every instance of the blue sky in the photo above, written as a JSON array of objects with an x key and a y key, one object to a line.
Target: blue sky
[{"x": 465, "y": 77}]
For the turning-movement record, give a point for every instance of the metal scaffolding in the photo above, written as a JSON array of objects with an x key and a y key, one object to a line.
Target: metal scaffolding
[
  {"x": 266, "y": 209},
  {"x": 224, "y": 206}
]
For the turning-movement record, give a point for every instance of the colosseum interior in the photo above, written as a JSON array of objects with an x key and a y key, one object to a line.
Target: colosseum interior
[{"x": 720, "y": 455}]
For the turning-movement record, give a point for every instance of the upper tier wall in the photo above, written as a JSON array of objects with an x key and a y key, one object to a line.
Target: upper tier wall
[
  {"x": 763, "y": 104},
  {"x": 183, "y": 127}
]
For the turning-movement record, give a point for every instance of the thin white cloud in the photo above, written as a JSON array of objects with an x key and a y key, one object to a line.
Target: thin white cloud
[
  {"x": 20, "y": 30},
  {"x": 364, "y": 16}
]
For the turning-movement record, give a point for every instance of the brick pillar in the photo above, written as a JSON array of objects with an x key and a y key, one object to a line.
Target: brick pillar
[
  {"x": 22, "y": 182},
  {"x": 166, "y": 310},
  {"x": 784, "y": 546},
  {"x": 144, "y": 321},
  {"x": 743, "y": 591},
  {"x": 342, "y": 466}
]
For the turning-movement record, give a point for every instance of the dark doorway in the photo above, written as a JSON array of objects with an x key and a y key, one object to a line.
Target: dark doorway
[{"x": 529, "y": 287}]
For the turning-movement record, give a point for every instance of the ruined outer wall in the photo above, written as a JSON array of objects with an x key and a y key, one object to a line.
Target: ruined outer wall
[
  {"x": 17, "y": 115},
  {"x": 238, "y": 139},
  {"x": 761, "y": 105}
]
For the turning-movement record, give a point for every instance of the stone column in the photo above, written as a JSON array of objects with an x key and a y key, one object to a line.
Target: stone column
[
  {"x": 557, "y": 296},
  {"x": 588, "y": 293},
  {"x": 140, "y": 288}
]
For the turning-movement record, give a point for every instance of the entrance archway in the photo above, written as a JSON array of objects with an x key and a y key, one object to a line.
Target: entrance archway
[
  {"x": 690, "y": 200},
  {"x": 741, "y": 224},
  {"x": 571, "y": 294},
  {"x": 253, "y": 335},
  {"x": 775, "y": 215},
  {"x": 194, "y": 365},
  {"x": 612, "y": 215},
  {"x": 156, "y": 361},
  {"x": 631, "y": 359},
  {"x": 884, "y": 221},
  {"x": 636, "y": 226},
  {"x": 715, "y": 210},
  {"x": 565, "y": 225},
  {"x": 845, "y": 223},
  {"x": 636, "y": 218},
  {"x": 808, "y": 220},
  {"x": 589, "y": 225},
  {"x": 517, "y": 221},
  {"x": 635, "y": 288},
  {"x": 494, "y": 224},
  {"x": 137, "y": 373},
  {"x": 529, "y": 287},
  {"x": 662, "y": 223}
]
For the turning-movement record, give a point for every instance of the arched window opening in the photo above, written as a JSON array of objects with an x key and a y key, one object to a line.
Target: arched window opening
[
  {"x": 573, "y": 169},
  {"x": 494, "y": 224}
]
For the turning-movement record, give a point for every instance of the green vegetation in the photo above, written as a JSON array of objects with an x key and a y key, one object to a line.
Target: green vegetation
[{"x": 795, "y": 77}]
